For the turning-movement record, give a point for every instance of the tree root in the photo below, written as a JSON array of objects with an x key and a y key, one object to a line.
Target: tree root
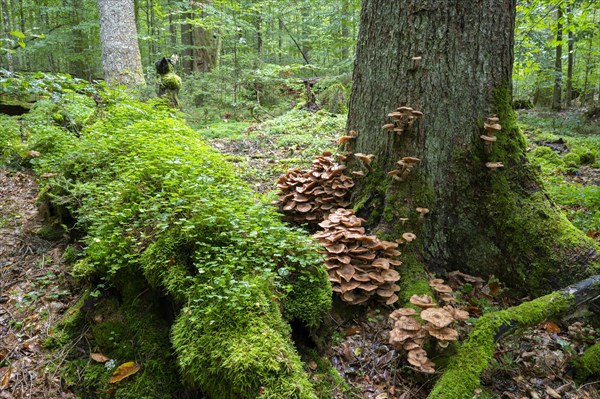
[{"x": 461, "y": 378}]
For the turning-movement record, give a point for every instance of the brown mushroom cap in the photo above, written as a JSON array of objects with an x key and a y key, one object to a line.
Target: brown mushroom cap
[
  {"x": 407, "y": 323},
  {"x": 359, "y": 173},
  {"x": 439, "y": 318},
  {"x": 390, "y": 275},
  {"x": 435, "y": 281},
  {"x": 416, "y": 113},
  {"x": 443, "y": 288},
  {"x": 411, "y": 160},
  {"x": 398, "y": 313},
  {"x": 389, "y": 126},
  {"x": 494, "y": 165},
  {"x": 417, "y": 357},
  {"x": 397, "y": 337},
  {"x": 422, "y": 211},
  {"x": 444, "y": 334},
  {"x": 409, "y": 237},
  {"x": 405, "y": 109},
  {"x": 457, "y": 314},
  {"x": 492, "y": 128},
  {"x": 392, "y": 299},
  {"x": 489, "y": 139},
  {"x": 410, "y": 345},
  {"x": 422, "y": 301},
  {"x": 395, "y": 114}
]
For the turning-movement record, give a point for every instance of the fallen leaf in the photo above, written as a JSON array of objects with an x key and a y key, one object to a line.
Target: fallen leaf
[
  {"x": 124, "y": 371},
  {"x": 551, "y": 327},
  {"x": 552, "y": 393},
  {"x": 99, "y": 357},
  {"x": 5, "y": 373},
  {"x": 352, "y": 330}
]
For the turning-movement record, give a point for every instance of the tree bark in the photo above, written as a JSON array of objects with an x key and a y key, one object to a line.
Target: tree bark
[
  {"x": 557, "y": 93},
  {"x": 121, "y": 58},
  {"x": 6, "y": 26},
  {"x": 481, "y": 221},
  {"x": 204, "y": 51},
  {"x": 571, "y": 55}
]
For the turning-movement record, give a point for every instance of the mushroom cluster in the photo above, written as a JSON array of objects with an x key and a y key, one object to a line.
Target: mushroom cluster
[
  {"x": 409, "y": 334},
  {"x": 491, "y": 127},
  {"x": 405, "y": 166},
  {"x": 359, "y": 266},
  {"x": 307, "y": 196},
  {"x": 403, "y": 117}
]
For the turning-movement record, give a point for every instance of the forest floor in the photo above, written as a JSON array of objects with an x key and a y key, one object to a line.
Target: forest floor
[
  {"x": 35, "y": 292},
  {"x": 535, "y": 363}
]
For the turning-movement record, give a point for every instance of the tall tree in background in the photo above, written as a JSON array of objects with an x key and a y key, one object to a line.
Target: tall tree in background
[
  {"x": 6, "y": 26},
  {"x": 557, "y": 93},
  {"x": 453, "y": 61},
  {"x": 121, "y": 58}
]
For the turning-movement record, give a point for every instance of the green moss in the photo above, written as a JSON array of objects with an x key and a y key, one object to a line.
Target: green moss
[
  {"x": 547, "y": 155},
  {"x": 170, "y": 81},
  {"x": 244, "y": 353},
  {"x": 572, "y": 161},
  {"x": 461, "y": 378},
  {"x": 589, "y": 363}
]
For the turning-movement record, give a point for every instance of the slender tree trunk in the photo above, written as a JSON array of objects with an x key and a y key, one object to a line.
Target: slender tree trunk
[
  {"x": 6, "y": 25},
  {"x": 259, "y": 35},
  {"x": 481, "y": 221},
  {"x": 280, "y": 42},
  {"x": 305, "y": 40},
  {"x": 571, "y": 55},
  {"x": 346, "y": 19},
  {"x": 557, "y": 94},
  {"x": 121, "y": 58},
  {"x": 186, "y": 42}
]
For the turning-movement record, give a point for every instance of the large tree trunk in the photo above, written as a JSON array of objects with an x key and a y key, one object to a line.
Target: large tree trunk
[
  {"x": 121, "y": 58},
  {"x": 481, "y": 221}
]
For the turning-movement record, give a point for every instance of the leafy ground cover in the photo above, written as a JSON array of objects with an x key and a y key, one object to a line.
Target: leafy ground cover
[
  {"x": 567, "y": 149},
  {"x": 156, "y": 206}
]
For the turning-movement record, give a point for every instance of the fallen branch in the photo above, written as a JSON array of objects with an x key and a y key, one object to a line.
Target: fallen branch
[{"x": 461, "y": 378}]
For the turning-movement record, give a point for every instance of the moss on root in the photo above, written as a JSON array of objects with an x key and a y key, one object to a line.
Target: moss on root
[
  {"x": 589, "y": 363},
  {"x": 462, "y": 376}
]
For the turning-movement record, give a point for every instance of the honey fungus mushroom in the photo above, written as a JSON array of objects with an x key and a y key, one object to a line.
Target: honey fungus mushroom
[
  {"x": 422, "y": 211},
  {"x": 494, "y": 165},
  {"x": 307, "y": 196},
  {"x": 360, "y": 266},
  {"x": 403, "y": 119}
]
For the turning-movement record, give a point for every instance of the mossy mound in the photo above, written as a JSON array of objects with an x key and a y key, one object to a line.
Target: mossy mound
[{"x": 156, "y": 201}]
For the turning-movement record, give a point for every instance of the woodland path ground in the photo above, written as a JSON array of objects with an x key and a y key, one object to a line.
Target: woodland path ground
[{"x": 34, "y": 294}]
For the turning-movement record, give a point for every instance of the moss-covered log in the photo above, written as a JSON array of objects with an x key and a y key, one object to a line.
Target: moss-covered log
[
  {"x": 158, "y": 204},
  {"x": 461, "y": 378}
]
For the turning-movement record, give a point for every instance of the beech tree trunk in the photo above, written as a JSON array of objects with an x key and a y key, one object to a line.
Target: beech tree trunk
[
  {"x": 121, "y": 58},
  {"x": 481, "y": 221},
  {"x": 557, "y": 92}
]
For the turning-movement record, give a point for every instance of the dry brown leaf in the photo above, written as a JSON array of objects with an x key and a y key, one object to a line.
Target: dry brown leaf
[
  {"x": 124, "y": 371},
  {"x": 5, "y": 373},
  {"x": 99, "y": 357},
  {"x": 551, "y": 327}
]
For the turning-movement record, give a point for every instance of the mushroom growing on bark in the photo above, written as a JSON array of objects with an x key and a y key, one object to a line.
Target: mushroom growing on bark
[
  {"x": 360, "y": 266},
  {"x": 307, "y": 196},
  {"x": 403, "y": 118}
]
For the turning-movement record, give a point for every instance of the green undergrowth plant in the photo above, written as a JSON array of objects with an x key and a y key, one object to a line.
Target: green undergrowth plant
[
  {"x": 156, "y": 201},
  {"x": 561, "y": 171}
]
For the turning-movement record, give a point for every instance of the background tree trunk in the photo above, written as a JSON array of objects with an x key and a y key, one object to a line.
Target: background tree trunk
[
  {"x": 121, "y": 58},
  {"x": 6, "y": 26},
  {"x": 571, "y": 55},
  {"x": 481, "y": 221},
  {"x": 204, "y": 50},
  {"x": 557, "y": 93}
]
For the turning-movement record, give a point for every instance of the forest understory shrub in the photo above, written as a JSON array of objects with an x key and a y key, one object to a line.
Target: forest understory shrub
[{"x": 153, "y": 198}]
